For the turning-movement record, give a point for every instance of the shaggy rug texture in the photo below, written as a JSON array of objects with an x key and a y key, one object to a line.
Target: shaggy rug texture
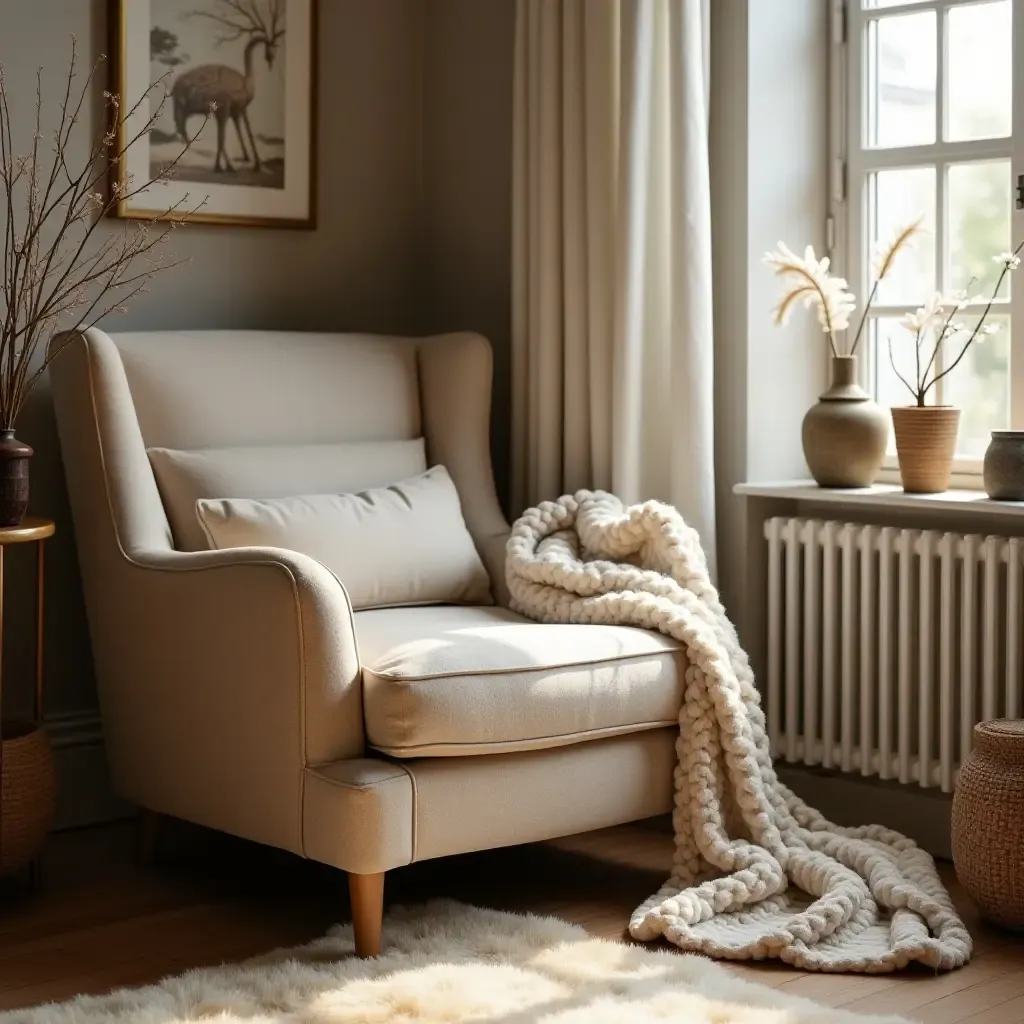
[
  {"x": 444, "y": 964},
  {"x": 756, "y": 872}
]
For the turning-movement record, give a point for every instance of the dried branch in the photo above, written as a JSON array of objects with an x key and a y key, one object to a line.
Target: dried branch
[
  {"x": 244, "y": 18},
  {"x": 238, "y": 31},
  {"x": 1009, "y": 264},
  {"x": 883, "y": 263},
  {"x": 892, "y": 363},
  {"x": 935, "y": 320},
  {"x": 917, "y": 358},
  {"x": 940, "y": 338},
  {"x": 59, "y": 273}
]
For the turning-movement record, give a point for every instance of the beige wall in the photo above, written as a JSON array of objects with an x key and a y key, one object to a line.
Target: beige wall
[
  {"x": 415, "y": 139},
  {"x": 410, "y": 238},
  {"x": 468, "y": 181},
  {"x": 361, "y": 269},
  {"x": 769, "y": 175}
]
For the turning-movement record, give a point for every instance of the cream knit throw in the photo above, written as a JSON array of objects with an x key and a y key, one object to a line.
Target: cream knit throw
[{"x": 862, "y": 899}]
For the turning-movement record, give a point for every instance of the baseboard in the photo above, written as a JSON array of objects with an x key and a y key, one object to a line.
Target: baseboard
[
  {"x": 921, "y": 814},
  {"x": 84, "y": 793}
]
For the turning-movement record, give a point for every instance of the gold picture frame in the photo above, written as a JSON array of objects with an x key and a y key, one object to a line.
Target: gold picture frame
[{"x": 252, "y": 162}]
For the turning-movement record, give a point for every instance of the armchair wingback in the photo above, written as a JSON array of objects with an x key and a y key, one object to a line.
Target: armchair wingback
[
  {"x": 239, "y": 690},
  {"x": 192, "y": 683}
]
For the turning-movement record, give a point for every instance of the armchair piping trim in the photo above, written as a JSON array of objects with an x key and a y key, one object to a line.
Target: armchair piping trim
[
  {"x": 401, "y": 770},
  {"x": 355, "y": 786},
  {"x": 395, "y": 677},
  {"x": 561, "y": 739},
  {"x": 277, "y": 565},
  {"x": 415, "y": 810}
]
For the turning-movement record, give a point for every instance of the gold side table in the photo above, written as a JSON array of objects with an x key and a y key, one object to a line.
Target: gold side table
[{"x": 28, "y": 778}]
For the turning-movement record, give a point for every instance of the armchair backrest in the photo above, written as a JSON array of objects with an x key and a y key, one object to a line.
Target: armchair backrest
[{"x": 117, "y": 395}]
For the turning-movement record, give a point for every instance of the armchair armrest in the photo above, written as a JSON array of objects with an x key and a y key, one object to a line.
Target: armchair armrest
[
  {"x": 238, "y": 668},
  {"x": 222, "y": 674}
]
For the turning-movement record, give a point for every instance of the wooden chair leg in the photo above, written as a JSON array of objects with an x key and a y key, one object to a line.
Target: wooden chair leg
[
  {"x": 366, "y": 893},
  {"x": 147, "y": 839}
]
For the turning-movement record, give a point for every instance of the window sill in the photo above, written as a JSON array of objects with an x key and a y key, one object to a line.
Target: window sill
[
  {"x": 967, "y": 474},
  {"x": 884, "y": 495}
]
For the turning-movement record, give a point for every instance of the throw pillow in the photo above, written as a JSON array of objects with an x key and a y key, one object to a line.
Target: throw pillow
[
  {"x": 273, "y": 471},
  {"x": 404, "y": 544}
]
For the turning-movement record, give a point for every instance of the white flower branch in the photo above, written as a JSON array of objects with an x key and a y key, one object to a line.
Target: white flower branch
[{"x": 935, "y": 320}]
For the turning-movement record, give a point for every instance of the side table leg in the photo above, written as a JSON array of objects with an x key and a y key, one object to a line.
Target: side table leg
[
  {"x": 35, "y": 869},
  {"x": 40, "y": 620}
]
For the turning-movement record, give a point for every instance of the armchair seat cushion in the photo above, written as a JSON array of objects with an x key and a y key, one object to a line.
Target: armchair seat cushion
[{"x": 448, "y": 681}]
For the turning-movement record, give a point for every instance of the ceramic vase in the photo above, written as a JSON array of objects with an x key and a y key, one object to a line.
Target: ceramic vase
[
  {"x": 1003, "y": 469},
  {"x": 925, "y": 445},
  {"x": 846, "y": 433},
  {"x": 14, "y": 462}
]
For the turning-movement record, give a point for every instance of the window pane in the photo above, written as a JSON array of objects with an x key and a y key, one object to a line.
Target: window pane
[
  {"x": 978, "y": 204},
  {"x": 872, "y": 4},
  {"x": 895, "y": 198},
  {"x": 979, "y": 85},
  {"x": 901, "y": 80},
  {"x": 980, "y": 386}
]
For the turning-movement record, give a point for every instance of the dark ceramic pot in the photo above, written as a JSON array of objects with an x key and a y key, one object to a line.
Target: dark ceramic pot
[
  {"x": 1004, "y": 465},
  {"x": 14, "y": 458}
]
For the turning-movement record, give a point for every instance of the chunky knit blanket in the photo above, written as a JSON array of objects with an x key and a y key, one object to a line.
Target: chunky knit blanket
[{"x": 756, "y": 872}]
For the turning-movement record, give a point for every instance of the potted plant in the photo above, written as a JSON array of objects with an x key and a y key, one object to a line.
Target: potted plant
[
  {"x": 845, "y": 434},
  {"x": 926, "y": 434},
  {"x": 60, "y": 272}
]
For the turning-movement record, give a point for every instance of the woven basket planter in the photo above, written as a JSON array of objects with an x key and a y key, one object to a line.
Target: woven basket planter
[
  {"x": 28, "y": 794},
  {"x": 988, "y": 822},
  {"x": 925, "y": 444}
]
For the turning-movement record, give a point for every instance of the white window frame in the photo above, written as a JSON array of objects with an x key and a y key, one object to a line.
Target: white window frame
[{"x": 851, "y": 162}]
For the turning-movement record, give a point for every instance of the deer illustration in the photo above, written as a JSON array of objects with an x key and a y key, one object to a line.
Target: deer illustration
[{"x": 222, "y": 89}]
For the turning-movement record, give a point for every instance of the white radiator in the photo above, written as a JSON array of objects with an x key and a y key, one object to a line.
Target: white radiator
[{"x": 886, "y": 645}]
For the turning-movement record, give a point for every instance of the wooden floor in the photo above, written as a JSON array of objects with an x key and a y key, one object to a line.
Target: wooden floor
[{"x": 100, "y": 921}]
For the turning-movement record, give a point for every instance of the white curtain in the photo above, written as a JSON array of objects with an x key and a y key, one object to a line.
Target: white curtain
[{"x": 612, "y": 345}]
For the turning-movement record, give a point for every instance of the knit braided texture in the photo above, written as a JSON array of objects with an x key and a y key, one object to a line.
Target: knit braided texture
[{"x": 756, "y": 872}]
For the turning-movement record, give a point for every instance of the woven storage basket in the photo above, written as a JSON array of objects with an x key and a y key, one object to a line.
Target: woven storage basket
[
  {"x": 988, "y": 821},
  {"x": 28, "y": 794}
]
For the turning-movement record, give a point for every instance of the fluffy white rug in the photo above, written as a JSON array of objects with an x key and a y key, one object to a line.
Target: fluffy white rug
[
  {"x": 756, "y": 872},
  {"x": 445, "y": 963}
]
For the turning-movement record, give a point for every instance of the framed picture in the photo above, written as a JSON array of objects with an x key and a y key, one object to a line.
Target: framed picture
[{"x": 237, "y": 87}]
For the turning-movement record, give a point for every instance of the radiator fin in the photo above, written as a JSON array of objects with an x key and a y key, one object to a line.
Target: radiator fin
[{"x": 887, "y": 645}]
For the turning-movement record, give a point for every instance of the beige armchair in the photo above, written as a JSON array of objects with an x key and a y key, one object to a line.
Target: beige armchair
[{"x": 239, "y": 690}]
